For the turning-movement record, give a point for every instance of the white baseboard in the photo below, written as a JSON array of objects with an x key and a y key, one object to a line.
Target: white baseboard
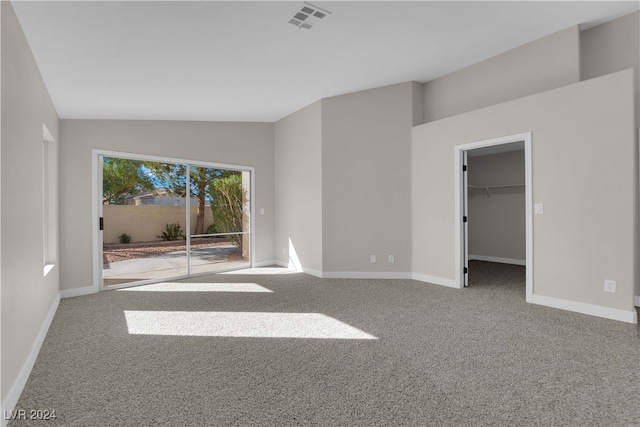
[
  {"x": 265, "y": 263},
  {"x": 288, "y": 265},
  {"x": 451, "y": 283},
  {"x": 591, "y": 309},
  {"x": 513, "y": 261},
  {"x": 365, "y": 275},
  {"x": 311, "y": 271},
  {"x": 348, "y": 274},
  {"x": 636, "y": 301},
  {"x": 76, "y": 292},
  {"x": 10, "y": 401}
]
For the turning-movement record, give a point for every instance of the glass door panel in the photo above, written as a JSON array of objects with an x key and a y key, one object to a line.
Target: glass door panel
[
  {"x": 144, "y": 236},
  {"x": 221, "y": 235}
]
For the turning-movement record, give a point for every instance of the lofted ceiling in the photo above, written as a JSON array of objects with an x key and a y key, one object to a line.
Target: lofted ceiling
[{"x": 243, "y": 61}]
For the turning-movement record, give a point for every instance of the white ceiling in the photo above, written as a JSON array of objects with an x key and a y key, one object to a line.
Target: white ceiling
[{"x": 242, "y": 61}]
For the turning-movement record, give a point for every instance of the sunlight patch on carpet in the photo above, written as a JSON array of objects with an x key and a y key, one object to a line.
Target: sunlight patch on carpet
[
  {"x": 241, "y": 324},
  {"x": 198, "y": 287}
]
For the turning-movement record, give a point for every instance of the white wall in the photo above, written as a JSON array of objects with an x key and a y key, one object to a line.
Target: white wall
[
  {"x": 547, "y": 63},
  {"x": 366, "y": 151},
  {"x": 1, "y": 392},
  {"x": 28, "y": 297},
  {"x": 584, "y": 171},
  {"x": 342, "y": 180},
  {"x": 242, "y": 144},
  {"x": 497, "y": 216},
  {"x": 610, "y": 47},
  {"x": 298, "y": 184}
]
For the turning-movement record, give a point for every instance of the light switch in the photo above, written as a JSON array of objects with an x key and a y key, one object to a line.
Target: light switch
[
  {"x": 538, "y": 208},
  {"x": 261, "y": 211}
]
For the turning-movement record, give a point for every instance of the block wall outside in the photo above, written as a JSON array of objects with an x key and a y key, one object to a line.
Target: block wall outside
[{"x": 146, "y": 223}]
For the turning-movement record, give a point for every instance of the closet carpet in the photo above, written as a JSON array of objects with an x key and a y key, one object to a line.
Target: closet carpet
[{"x": 446, "y": 357}]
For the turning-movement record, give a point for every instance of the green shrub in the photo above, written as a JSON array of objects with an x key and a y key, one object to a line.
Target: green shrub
[
  {"x": 172, "y": 232},
  {"x": 124, "y": 238},
  {"x": 212, "y": 229}
]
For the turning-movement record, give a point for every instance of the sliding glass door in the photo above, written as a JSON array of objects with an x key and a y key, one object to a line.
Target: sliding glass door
[{"x": 164, "y": 220}]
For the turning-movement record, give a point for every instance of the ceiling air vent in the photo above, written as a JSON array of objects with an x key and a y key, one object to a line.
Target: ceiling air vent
[{"x": 308, "y": 16}]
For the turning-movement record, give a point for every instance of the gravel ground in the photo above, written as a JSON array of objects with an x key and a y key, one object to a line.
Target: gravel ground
[{"x": 119, "y": 252}]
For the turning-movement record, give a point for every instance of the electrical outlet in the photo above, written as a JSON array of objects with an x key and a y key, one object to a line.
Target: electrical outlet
[
  {"x": 392, "y": 259},
  {"x": 610, "y": 286},
  {"x": 284, "y": 250},
  {"x": 261, "y": 211},
  {"x": 373, "y": 259}
]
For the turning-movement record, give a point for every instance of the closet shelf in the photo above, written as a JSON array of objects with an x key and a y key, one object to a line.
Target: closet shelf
[{"x": 495, "y": 186}]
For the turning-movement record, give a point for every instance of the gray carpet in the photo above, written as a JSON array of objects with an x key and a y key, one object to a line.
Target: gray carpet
[{"x": 478, "y": 356}]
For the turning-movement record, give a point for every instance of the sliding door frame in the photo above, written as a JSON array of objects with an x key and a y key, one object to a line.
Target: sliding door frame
[
  {"x": 97, "y": 236},
  {"x": 460, "y": 234}
]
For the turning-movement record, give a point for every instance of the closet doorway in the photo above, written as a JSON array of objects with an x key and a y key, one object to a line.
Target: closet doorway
[{"x": 494, "y": 197}]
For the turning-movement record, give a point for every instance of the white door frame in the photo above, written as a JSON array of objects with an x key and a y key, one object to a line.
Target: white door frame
[
  {"x": 460, "y": 247},
  {"x": 465, "y": 224},
  {"x": 97, "y": 238}
]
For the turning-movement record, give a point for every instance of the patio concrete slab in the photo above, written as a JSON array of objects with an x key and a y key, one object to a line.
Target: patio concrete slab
[{"x": 171, "y": 264}]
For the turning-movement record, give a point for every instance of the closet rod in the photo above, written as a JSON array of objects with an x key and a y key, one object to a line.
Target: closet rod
[{"x": 496, "y": 186}]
